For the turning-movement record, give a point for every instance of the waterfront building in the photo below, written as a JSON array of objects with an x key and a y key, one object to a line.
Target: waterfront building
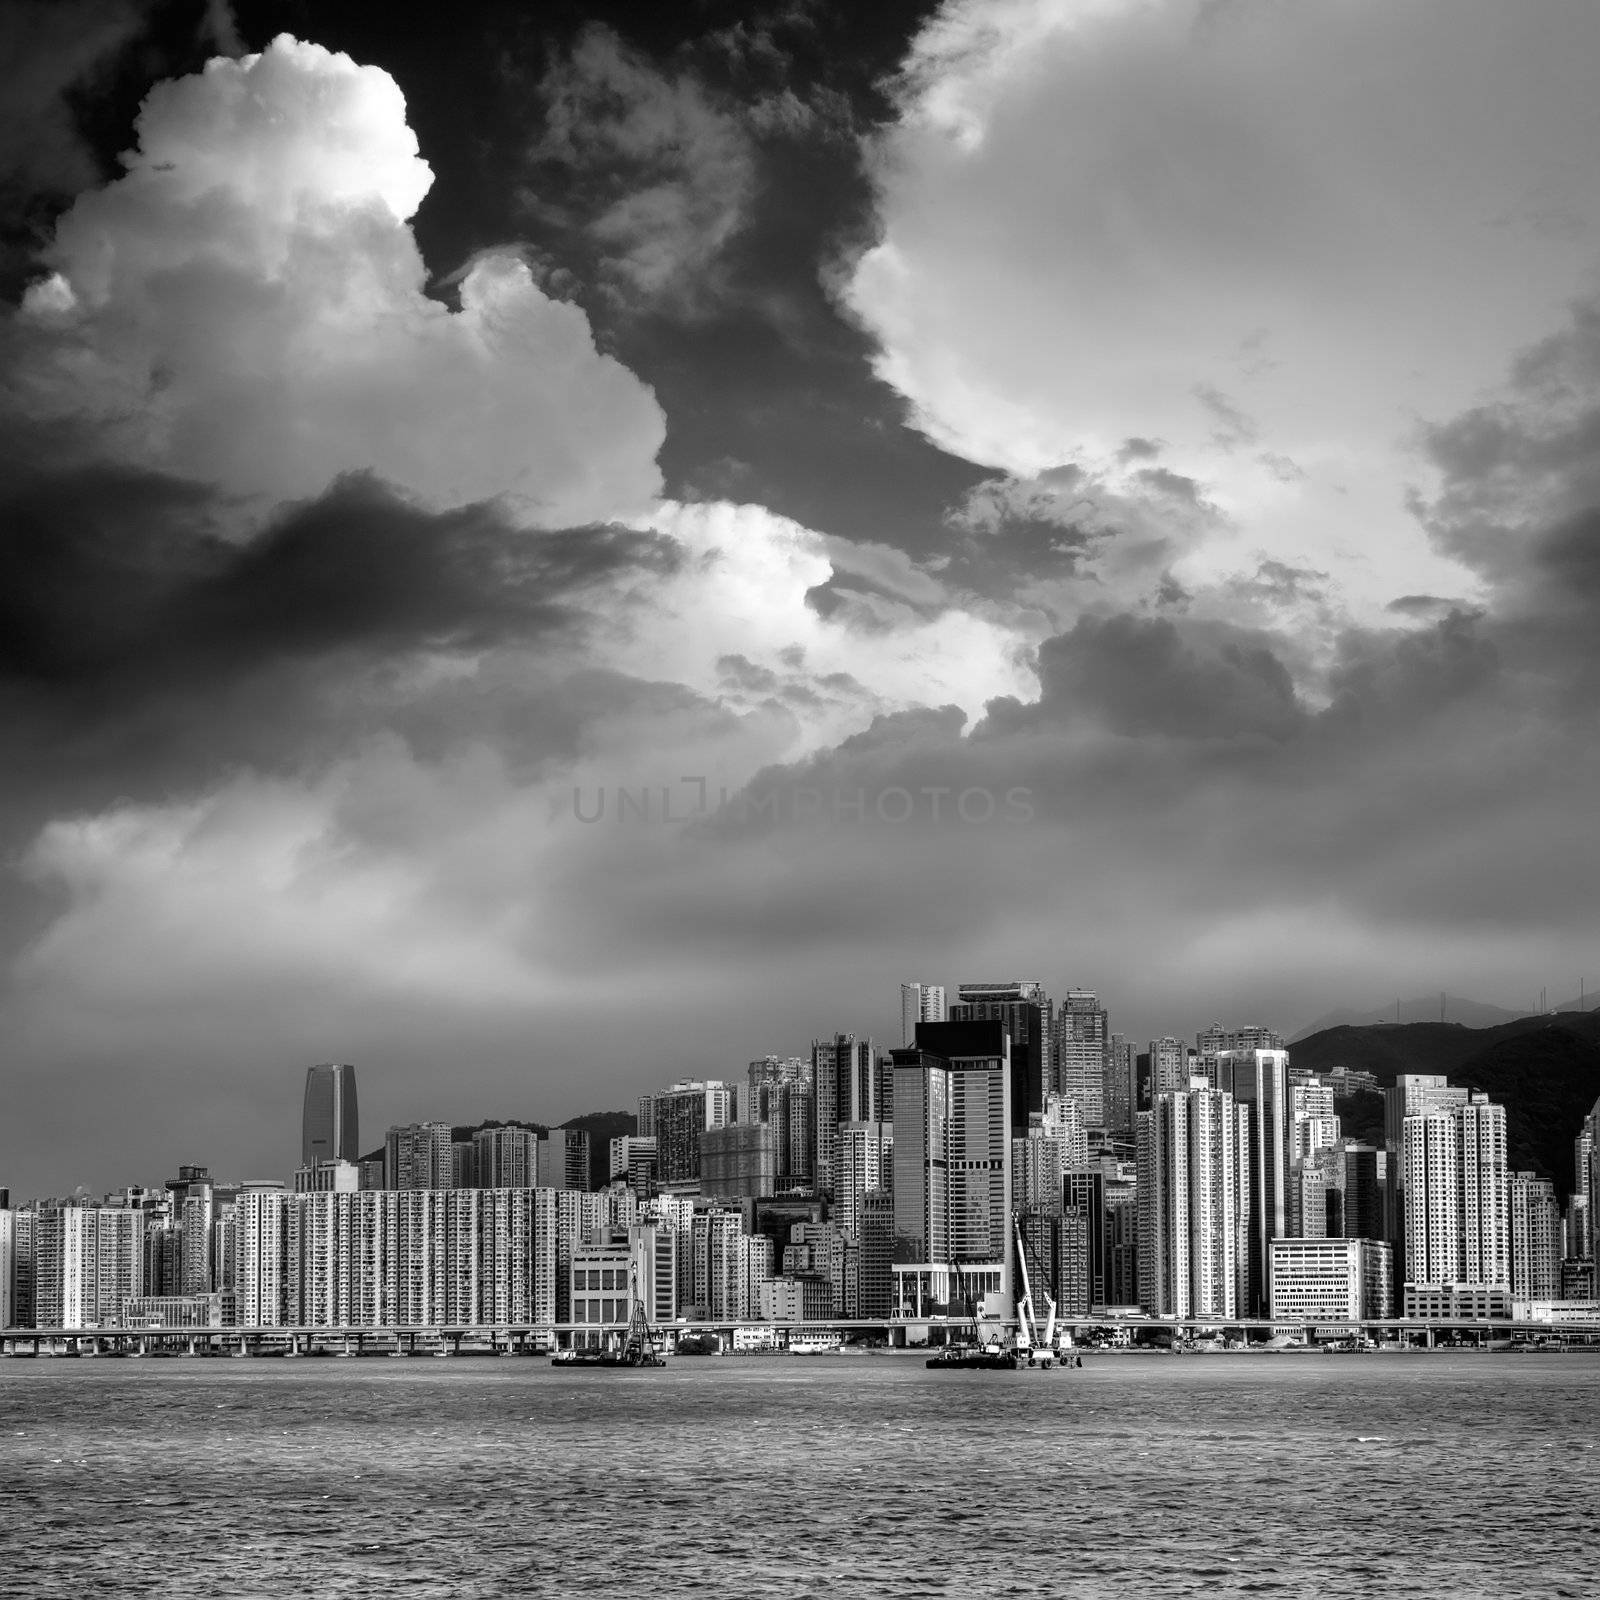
[
  {"x": 1332, "y": 1283},
  {"x": 8, "y": 1267},
  {"x": 24, "y": 1264},
  {"x": 417, "y": 1156},
  {"x": 1535, "y": 1221},
  {"x": 1257, "y": 1078},
  {"x": 675, "y": 1118},
  {"x": 1084, "y": 1189},
  {"x": 259, "y": 1244},
  {"x": 1192, "y": 1188},
  {"x": 875, "y": 1262},
  {"x": 1455, "y": 1302},
  {"x": 1057, "y": 1245},
  {"x": 192, "y": 1198},
  {"x": 952, "y": 1163},
  {"x": 1586, "y": 1181},
  {"x": 599, "y": 1292},
  {"x": 1121, "y": 1235},
  {"x": 178, "y": 1311},
  {"x": 919, "y": 1002},
  {"x": 1457, "y": 1200},
  {"x": 88, "y": 1260},
  {"x": 330, "y": 1124},
  {"x": 1577, "y": 1279}
]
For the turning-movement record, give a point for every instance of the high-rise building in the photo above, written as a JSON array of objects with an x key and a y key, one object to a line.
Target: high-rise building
[
  {"x": 330, "y": 1126},
  {"x": 739, "y": 1161},
  {"x": 88, "y": 1260},
  {"x": 849, "y": 1088},
  {"x": 1192, "y": 1202},
  {"x": 952, "y": 1164},
  {"x": 193, "y": 1201},
  {"x": 1485, "y": 1193},
  {"x": 1121, "y": 1243},
  {"x": 633, "y": 1161},
  {"x": 1084, "y": 1189},
  {"x": 781, "y": 1092},
  {"x": 8, "y": 1266},
  {"x": 875, "y": 1263},
  {"x": 1368, "y": 1176},
  {"x": 1313, "y": 1124},
  {"x": 418, "y": 1156},
  {"x": 1118, "y": 1093},
  {"x": 1171, "y": 1066},
  {"x": 259, "y": 1254},
  {"x": 865, "y": 1150},
  {"x": 1258, "y": 1080},
  {"x": 1082, "y": 1034},
  {"x": 1457, "y": 1197},
  {"x": 1028, "y": 1015},
  {"x": 1535, "y": 1238},
  {"x": 505, "y": 1158},
  {"x": 919, "y": 1002},
  {"x": 562, "y": 1160},
  {"x": 675, "y": 1118}
]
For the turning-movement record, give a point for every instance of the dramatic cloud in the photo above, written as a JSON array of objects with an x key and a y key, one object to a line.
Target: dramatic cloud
[
  {"x": 245, "y": 307},
  {"x": 1267, "y": 237}
]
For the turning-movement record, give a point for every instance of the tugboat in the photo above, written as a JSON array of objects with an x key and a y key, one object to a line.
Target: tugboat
[{"x": 638, "y": 1347}]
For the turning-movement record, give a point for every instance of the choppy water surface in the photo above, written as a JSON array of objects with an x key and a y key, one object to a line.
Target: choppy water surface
[{"x": 830, "y": 1476}]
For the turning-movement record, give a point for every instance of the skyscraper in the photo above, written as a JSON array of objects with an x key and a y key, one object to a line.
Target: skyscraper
[
  {"x": 1026, "y": 1012},
  {"x": 1535, "y": 1238},
  {"x": 1457, "y": 1207},
  {"x": 676, "y": 1117},
  {"x": 1082, "y": 1034},
  {"x": 952, "y": 1164},
  {"x": 919, "y": 1002},
  {"x": 330, "y": 1128},
  {"x": 1258, "y": 1079},
  {"x": 1192, "y": 1209},
  {"x": 849, "y": 1088}
]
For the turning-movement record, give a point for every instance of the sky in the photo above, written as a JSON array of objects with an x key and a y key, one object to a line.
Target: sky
[{"x": 547, "y": 550}]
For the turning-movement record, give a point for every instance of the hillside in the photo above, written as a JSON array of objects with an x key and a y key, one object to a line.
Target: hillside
[{"x": 1544, "y": 1070}]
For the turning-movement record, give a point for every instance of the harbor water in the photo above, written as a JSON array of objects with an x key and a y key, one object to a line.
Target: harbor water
[{"x": 840, "y": 1476}]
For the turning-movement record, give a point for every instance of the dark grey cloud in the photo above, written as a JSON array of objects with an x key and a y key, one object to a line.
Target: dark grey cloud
[{"x": 140, "y": 647}]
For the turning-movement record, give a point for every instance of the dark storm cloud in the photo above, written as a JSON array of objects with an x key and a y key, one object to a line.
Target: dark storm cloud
[
  {"x": 1137, "y": 677},
  {"x": 139, "y": 647}
]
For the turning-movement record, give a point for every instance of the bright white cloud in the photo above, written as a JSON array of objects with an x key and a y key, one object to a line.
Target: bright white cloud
[
  {"x": 245, "y": 306},
  {"x": 741, "y": 591},
  {"x": 1272, "y": 237}
]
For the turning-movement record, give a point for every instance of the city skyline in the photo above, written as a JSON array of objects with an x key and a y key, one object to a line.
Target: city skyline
[{"x": 517, "y": 536}]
